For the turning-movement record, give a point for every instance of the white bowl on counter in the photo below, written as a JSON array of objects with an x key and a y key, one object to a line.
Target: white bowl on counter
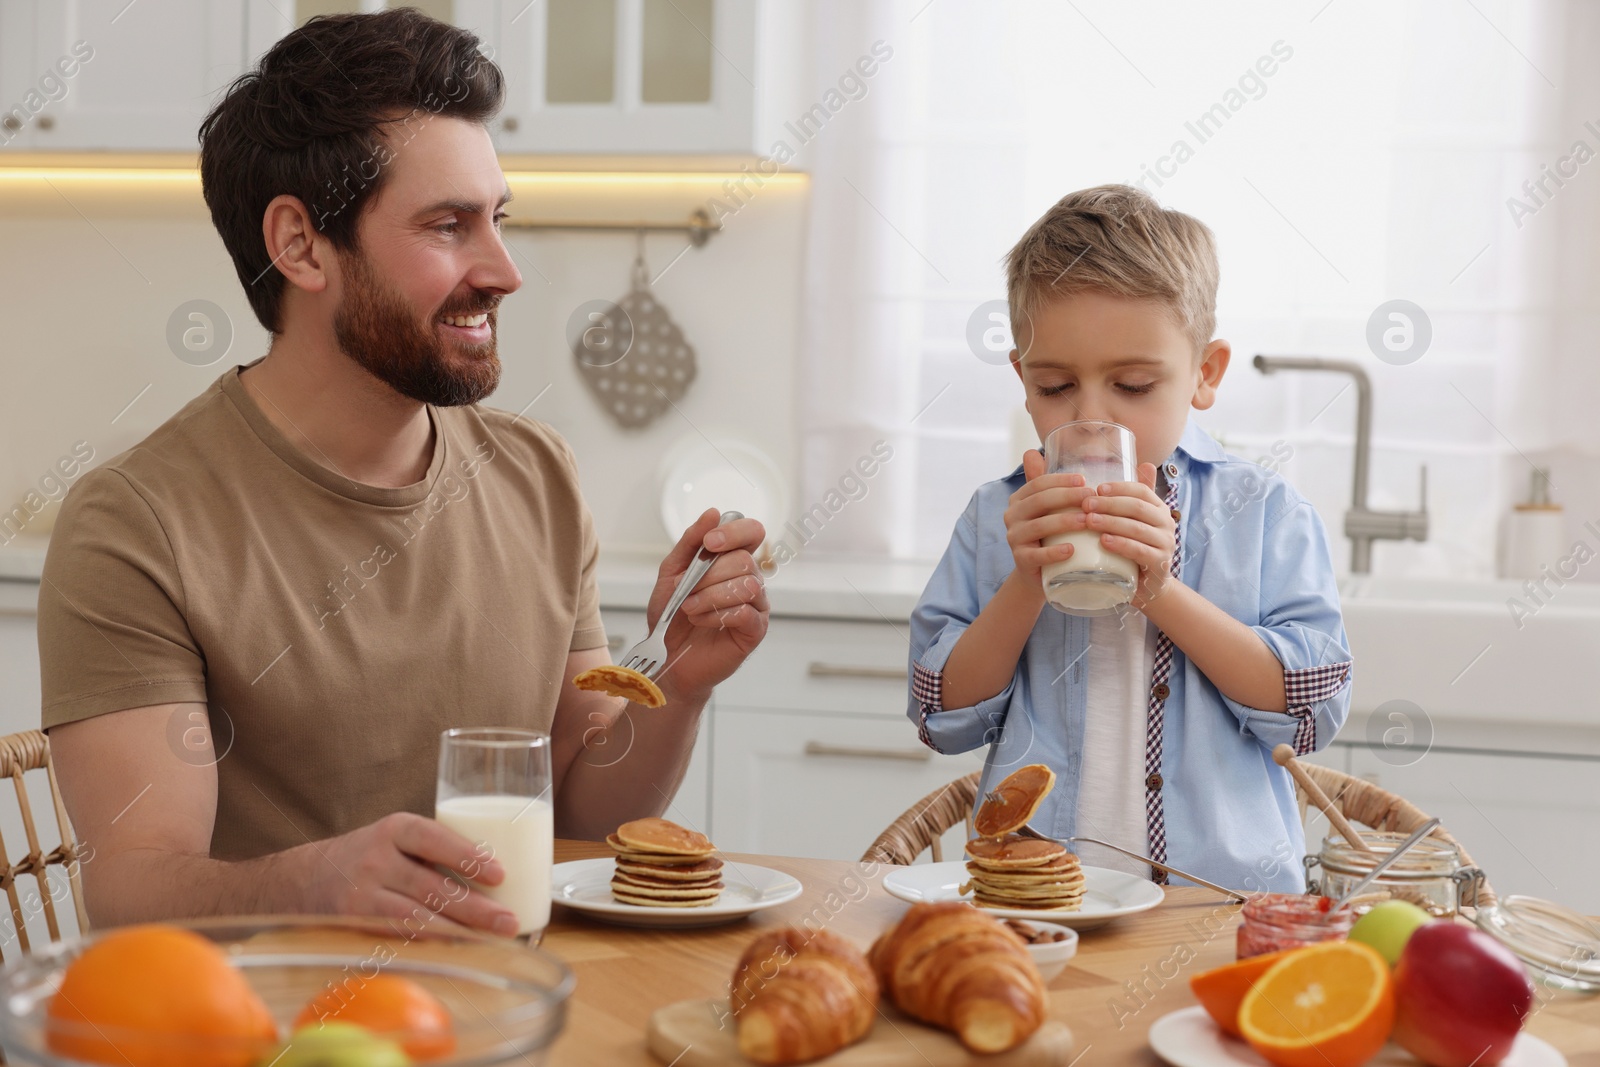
[{"x": 1051, "y": 956}]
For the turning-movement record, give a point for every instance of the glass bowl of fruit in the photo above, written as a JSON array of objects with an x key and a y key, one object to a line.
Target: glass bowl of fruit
[{"x": 285, "y": 991}]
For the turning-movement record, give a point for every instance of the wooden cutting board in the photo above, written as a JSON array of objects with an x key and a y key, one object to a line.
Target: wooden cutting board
[{"x": 689, "y": 1034}]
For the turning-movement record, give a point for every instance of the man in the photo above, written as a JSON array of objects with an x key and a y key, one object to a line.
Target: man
[{"x": 254, "y": 624}]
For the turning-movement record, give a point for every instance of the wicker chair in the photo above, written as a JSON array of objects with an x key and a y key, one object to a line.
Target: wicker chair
[
  {"x": 20, "y": 753},
  {"x": 1360, "y": 801}
]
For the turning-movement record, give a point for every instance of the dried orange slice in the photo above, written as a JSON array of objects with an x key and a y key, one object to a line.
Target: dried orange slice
[
  {"x": 1009, "y": 805},
  {"x": 1327, "y": 1005},
  {"x": 1222, "y": 989}
]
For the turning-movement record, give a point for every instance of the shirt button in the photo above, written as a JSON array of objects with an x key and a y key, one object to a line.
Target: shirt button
[
  {"x": 1153, "y": 782},
  {"x": 1172, "y": 470},
  {"x": 1176, "y": 514},
  {"x": 1162, "y": 691}
]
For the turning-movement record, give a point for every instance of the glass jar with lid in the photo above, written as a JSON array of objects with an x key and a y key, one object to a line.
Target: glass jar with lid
[
  {"x": 1431, "y": 875},
  {"x": 1560, "y": 946}
]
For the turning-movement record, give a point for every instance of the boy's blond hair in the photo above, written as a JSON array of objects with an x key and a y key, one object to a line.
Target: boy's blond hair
[{"x": 1116, "y": 239}]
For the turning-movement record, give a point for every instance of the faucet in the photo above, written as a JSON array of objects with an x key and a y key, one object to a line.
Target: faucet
[{"x": 1361, "y": 524}]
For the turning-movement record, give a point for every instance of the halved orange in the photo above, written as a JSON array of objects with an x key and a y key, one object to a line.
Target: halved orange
[
  {"x": 1327, "y": 1005},
  {"x": 1010, "y": 804},
  {"x": 1222, "y": 989}
]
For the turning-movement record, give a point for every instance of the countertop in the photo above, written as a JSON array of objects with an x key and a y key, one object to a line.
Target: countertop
[{"x": 811, "y": 586}]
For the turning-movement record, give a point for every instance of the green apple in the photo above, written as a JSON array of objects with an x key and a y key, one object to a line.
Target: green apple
[
  {"x": 1388, "y": 926},
  {"x": 336, "y": 1044}
]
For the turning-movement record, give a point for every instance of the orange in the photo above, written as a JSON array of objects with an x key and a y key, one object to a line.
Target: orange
[
  {"x": 1221, "y": 990},
  {"x": 157, "y": 996},
  {"x": 1327, "y": 1005},
  {"x": 387, "y": 1004}
]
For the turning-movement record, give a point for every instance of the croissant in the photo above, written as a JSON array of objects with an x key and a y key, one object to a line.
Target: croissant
[
  {"x": 956, "y": 968},
  {"x": 800, "y": 995}
]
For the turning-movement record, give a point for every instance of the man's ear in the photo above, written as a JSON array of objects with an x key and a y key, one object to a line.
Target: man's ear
[
  {"x": 298, "y": 251},
  {"x": 1213, "y": 365}
]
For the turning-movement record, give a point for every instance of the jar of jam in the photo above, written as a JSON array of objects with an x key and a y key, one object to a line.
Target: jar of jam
[
  {"x": 1271, "y": 922},
  {"x": 1430, "y": 875}
]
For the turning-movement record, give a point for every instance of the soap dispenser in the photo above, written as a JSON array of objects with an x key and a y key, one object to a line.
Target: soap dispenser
[{"x": 1535, "y": 532}]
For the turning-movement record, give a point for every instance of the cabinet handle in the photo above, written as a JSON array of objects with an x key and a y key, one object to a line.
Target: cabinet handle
[
  {"x": 914, "y": 755},
  {"x": 840, "y": 670},
  {"x": 47, "y": 122},
  {"x": 615, "y": 641}
]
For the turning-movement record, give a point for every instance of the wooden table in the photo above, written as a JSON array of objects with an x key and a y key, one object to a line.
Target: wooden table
[{"x": 1124, "y": 977}]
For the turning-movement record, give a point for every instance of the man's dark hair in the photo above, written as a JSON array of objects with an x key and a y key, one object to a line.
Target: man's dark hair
[{"x": 310, "y": 120}]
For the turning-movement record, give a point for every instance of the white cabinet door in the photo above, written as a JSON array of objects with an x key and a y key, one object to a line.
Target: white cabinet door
[
  {"x": 818, "y": 785},
  {"x": 691, "y": 806},
  {"x": 132, "y": 76},
  {"x": 828, "y": 666},
  {"x": 628, "y": 76},
  {"x": 21, "y": 96},
  {"x": 1529, "y": 821},
  {"x": 19, "y": 671}
]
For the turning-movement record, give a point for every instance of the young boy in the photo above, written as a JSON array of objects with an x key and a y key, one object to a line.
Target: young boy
[{"x": 1160, "y": 721}]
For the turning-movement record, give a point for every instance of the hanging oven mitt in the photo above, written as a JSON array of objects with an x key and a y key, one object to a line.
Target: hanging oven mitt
[{"x": 633, "y": 357}]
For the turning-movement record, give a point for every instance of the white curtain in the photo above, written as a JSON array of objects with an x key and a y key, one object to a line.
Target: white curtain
[{"x": 1345, "y": 154}]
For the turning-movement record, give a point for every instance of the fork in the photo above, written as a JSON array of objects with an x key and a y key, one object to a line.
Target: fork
[
  {"x": 648, "y": 656},
  {"x": 1232, "y": 895}
]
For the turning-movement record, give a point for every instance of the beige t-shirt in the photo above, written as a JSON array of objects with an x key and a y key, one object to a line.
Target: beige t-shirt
[{"x": 333, "y": 628}]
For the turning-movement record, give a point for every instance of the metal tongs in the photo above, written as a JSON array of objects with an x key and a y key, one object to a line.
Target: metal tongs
[{"x": 1233, "y": 896}]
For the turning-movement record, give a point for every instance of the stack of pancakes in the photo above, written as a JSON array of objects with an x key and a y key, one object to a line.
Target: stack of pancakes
[
  {"x": 1023, "y": 872},
  {"x": 663, "y": 865}
]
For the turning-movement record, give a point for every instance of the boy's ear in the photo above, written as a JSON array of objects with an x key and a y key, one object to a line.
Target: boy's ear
[
  {"x": 1016, "y": 365},
  {"x": 1213, "y": 365}
]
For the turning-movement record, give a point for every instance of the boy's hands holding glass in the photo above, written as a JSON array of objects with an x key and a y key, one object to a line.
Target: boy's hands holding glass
[
  {"x": 1134, "y": 523},
  {"x": 1047, "y": 504}
]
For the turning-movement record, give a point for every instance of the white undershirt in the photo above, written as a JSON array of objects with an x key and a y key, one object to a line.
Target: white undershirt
[{"x": 1119, "y": 660}]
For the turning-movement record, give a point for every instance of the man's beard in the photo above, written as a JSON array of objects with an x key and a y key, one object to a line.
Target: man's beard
[{"x": 376, "y": 328}]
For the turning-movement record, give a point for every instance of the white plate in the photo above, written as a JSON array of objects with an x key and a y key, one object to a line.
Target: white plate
[
  {"x": 585, "y": 885},
  {"x": 723, "y": 473},
  {"x": 1107, "y": 894},
  {"x": 1189, "y": 1038}
]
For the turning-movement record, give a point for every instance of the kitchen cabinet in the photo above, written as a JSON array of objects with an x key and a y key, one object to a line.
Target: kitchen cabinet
[
  {"x": 107, "y": 74},
  {"x": 582, "y": 76},
  {"x": 628, "y": 76},
  {"x": 1520, "y": 814},
  {"x": 19, "y": 658},
  {"x": 813, "y": 754}
]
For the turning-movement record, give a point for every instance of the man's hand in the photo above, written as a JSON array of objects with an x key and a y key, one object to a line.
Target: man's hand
[
  {"x": 386, "y": 869},
  {"x": 723, "y": 620},
  {"x": 1135, "y": 523},
  {"x": 1047, "y": 504}
]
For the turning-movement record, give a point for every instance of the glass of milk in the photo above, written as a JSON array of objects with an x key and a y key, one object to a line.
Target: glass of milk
[
  {"x": 494, "y": 790},
  {"x": 1092, "y": 581}
]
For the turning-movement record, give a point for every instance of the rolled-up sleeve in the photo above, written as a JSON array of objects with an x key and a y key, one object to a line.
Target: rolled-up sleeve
[
  {"x": 948, "y": 606},
  {"x": 1301, "y": 623}
]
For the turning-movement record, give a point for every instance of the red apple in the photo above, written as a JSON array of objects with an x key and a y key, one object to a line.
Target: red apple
[{"x": 1460, "y": 996}]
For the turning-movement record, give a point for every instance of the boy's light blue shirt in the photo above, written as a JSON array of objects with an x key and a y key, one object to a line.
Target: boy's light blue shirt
[{"x": 1251, "y": 545}]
